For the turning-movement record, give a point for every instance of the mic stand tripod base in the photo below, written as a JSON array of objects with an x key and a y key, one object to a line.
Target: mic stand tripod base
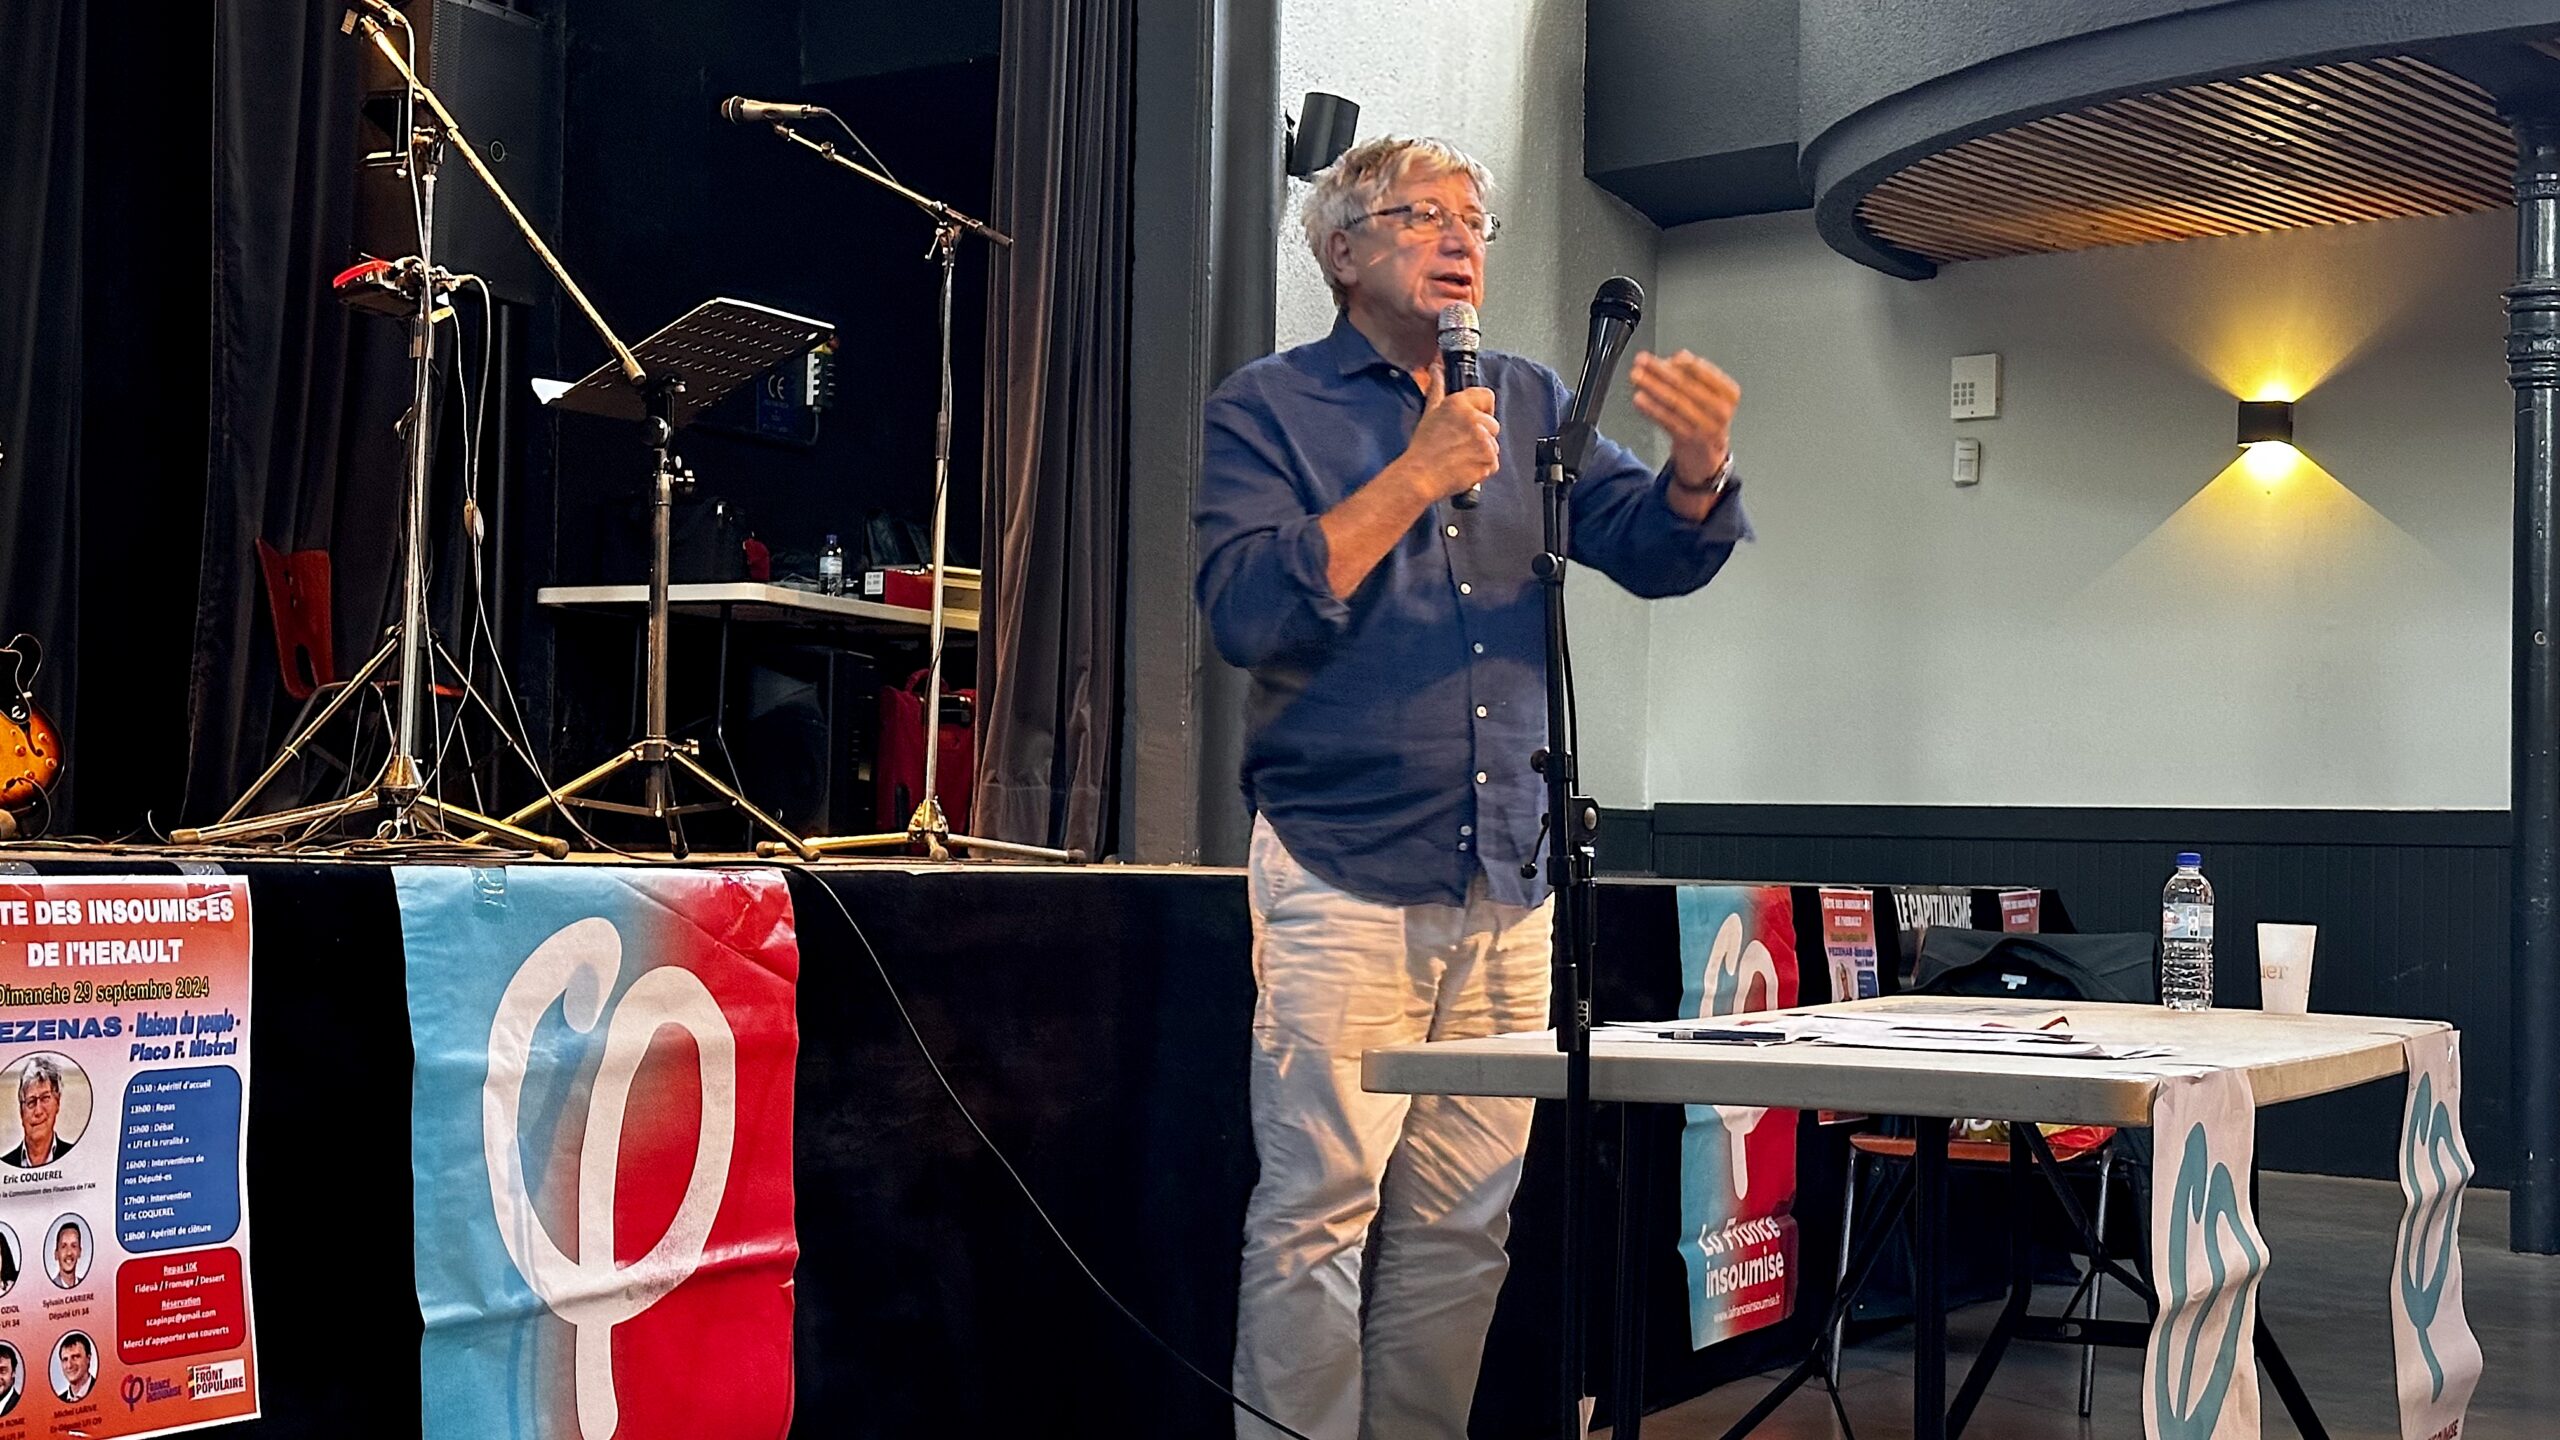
[
  {"x": 418, "y": 815},
  {"x": 399, "y": 792},
  {"x": 660, "y": 761},
  {"x": 930, "y": 828}
]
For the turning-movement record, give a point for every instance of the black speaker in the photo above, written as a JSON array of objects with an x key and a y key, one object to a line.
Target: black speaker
[{"x": 498, "y": 70}]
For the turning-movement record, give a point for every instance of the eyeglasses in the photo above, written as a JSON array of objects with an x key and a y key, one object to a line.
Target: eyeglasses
[
  {"x": 1425, "y": 217},
  {"x": 37, "y": 1099}
]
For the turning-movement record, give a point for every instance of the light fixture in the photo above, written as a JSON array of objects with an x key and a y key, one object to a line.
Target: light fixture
[{"x": 2266, "y": 421}]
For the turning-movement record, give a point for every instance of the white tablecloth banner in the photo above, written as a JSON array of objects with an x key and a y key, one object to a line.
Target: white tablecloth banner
[
  {"x": 2200, "y": 1371},
  {"x": 2439, "y": 1360}
]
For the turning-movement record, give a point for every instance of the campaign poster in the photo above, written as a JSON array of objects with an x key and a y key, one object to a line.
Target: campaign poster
[
  {"x": 601, "y": 1116},
  {"x": 124, "y": 1203},
  {"x": 1849, "y": 943},
  {"x": 1737, "y": 1163},
  {"x": 2022, "y": 911}
]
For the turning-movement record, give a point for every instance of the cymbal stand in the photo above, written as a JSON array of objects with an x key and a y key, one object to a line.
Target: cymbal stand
[
  {"x": 928, "y": 827},
  {"x": 399, "y": 797}
]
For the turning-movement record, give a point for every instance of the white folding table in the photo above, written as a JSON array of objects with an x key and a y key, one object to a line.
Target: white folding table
[{"x": 2285, "y": 1057}]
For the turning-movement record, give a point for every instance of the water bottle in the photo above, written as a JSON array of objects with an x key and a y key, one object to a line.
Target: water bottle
[
  {"x": 831, "y": 568},
  {"x": 2186, "y": 937}
]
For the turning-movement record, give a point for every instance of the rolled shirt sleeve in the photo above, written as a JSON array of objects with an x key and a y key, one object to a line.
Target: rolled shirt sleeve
[{"x": 1262, "y": 582}]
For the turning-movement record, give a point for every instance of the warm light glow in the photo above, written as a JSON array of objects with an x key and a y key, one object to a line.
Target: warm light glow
[
  {"x": 2270, "y": 320},
  {"x": 2269, "y": 461},
  {"x": 2294, "y": 538}
]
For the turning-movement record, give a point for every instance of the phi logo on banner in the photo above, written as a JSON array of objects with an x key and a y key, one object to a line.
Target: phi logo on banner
[
  {"x": 1733, "y": 968},
  {"x": 578, "y": 966},
  {"x": 2437, "y": 1356},
  {"x": 2200, "y": 1374}
]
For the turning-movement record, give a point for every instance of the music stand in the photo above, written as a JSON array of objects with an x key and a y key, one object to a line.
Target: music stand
[{"x": 711, "y": 350}]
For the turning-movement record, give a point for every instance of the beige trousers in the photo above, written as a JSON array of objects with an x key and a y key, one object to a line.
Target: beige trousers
[{"x": 1433, "y": 1174}]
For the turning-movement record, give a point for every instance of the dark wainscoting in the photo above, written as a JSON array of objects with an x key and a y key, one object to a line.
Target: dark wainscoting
[{"x": 2411, "y": 905}]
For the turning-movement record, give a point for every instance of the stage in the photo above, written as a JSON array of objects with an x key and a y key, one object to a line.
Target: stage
[{"x": 1095, "y": 1019}]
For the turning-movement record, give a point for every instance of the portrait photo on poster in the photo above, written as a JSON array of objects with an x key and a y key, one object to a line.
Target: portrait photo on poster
[
  {"x": 53, "y": 1099},
  {"x": 72, "y": 1251},
  {"x": 13, "y": 1378},
  {"x": 75, "y": 1367}
]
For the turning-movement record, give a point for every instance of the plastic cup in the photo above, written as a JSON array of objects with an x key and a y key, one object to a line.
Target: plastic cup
[{"x": 2284, "y": 967}]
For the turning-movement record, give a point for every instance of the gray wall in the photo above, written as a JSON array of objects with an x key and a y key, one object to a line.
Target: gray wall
[{"x": 2116, "y": 616}]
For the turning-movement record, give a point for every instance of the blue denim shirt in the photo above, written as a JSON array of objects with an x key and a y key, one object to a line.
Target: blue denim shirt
[{"x": 1389, "y": 735}]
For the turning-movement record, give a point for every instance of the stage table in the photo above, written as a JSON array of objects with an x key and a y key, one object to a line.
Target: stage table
[{"x": 2282, "y": 1058}]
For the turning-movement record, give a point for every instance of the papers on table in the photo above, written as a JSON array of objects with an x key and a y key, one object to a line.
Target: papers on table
[{"x": 1976, "y": 1030}]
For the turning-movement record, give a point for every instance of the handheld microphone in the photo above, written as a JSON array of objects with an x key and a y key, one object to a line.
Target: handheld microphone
[
  {"x": 739, "y": 110},
  {"x": 1459, "y": 341},
  {"x": 1615, "y": 309}
]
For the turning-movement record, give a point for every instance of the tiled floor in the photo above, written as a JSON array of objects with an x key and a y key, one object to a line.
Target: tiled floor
[{"x": 2330, "y": 1247}]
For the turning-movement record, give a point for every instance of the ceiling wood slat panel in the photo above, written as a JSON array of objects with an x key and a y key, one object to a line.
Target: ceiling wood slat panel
[{"x": 2328, "y": 145}]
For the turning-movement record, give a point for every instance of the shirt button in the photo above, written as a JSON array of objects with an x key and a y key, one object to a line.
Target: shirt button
[
  {"x": 1450, "y": 530},
  {"x": 1482, "y": 712},
  {"x": 1462, "y": 845},
  {"x": 1480, "y": 777},
  {"x": 1479, "y": 647},
  {"x": 1466, "y": 829},
  {"x": 1465, "y": 589}
]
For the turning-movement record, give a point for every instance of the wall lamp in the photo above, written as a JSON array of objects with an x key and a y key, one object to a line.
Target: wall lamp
[
  {"x": 2266, "y": 421},
  {"x": 2266, "y": 439}
]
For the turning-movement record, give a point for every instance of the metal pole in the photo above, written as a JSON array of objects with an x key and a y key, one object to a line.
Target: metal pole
[
  {"x": 2533, "y": 368},
  {"x": 946, "y": 245},
  {"x": 403, "y": 779}
]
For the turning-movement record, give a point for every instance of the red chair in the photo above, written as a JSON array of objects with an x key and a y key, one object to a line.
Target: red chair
[{"x": 298, "y": 604}]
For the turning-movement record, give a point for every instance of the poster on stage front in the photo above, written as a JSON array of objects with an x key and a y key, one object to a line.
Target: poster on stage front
[
  {"x": 125, "y": 1304},
  {"x": 601, "y": 1118},
  {"x": 1738, "y": 1240}
]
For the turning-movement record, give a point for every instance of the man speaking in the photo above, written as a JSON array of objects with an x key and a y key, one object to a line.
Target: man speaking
[{"x": 1396, "y": 640}]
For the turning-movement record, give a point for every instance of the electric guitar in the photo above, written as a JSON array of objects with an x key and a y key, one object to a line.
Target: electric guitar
[{"x": 30, "y": 751}]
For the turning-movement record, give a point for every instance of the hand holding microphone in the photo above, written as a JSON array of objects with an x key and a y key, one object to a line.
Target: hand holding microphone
[
  {"x": 1454, "y": 445},
  {"x": 1459, "y": 342}
]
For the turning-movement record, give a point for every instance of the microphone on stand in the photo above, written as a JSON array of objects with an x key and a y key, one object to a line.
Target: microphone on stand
[
  {"x": 1459, "y": 341},
  {"x": 1615, "y": 309},
  {"x": 739, "y": 110}
]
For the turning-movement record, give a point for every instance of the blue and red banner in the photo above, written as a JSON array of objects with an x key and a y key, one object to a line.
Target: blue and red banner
[
  {"x": 1737, "y": 1163},
  {"x": 602, "y": 1150}
]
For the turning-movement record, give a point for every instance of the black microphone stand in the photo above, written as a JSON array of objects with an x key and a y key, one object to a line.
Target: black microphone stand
[
  {"x": 1571, "y": 828},
  {"x": 928, "y": 828}
]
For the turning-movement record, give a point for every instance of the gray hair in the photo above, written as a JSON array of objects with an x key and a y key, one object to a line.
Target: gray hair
[
  {"x": 37, "y": 1069},
  {"x": 1352, "y": 186}
]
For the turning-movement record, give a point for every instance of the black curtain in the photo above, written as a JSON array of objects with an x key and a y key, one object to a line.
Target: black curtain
[
  {"x": 1057, "y": 427},
  {"x": 304, "y": 395},
  {"x": 102, "y": 283},
  {"x": 43, "y": 48}
]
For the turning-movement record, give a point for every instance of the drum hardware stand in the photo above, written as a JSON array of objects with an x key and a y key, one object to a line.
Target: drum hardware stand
[
  {"x": 400, "y": 795},
  {"x": 928, "y": 827}
]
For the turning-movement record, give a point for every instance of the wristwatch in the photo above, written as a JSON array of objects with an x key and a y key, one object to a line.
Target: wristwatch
[{"x": 1715, "y": 487}]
